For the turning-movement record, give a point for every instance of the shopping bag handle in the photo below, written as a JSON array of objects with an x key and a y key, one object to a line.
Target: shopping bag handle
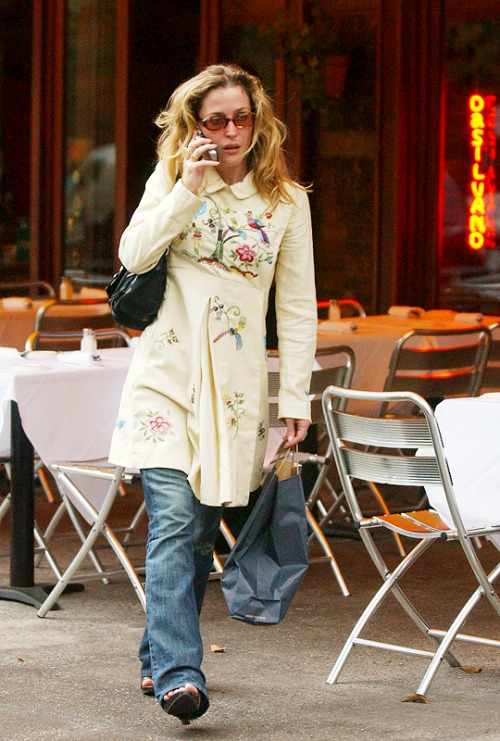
[{"x": 285, "y": 468}]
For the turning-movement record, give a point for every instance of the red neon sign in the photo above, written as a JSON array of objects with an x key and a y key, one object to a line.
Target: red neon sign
[{"x": 483, "y": 143}]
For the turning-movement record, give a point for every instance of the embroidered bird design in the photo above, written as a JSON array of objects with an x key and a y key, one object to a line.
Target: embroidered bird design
[
  {"x": 254, "y": 223},
  {"x": 234, "y": 332}
]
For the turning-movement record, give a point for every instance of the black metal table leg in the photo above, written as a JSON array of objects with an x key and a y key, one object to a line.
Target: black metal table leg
[{"x": 22, "y": 551}]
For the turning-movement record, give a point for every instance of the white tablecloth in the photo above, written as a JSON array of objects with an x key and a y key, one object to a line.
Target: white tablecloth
[
  {"x": 470, "y": 430},
  {"x": 68, "y": 411}
]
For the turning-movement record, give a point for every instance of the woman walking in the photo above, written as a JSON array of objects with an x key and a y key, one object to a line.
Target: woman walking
[{"x": 193, "y": 414}]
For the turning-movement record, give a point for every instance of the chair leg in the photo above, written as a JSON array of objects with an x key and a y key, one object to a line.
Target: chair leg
[
  {"x": 126, "y": 563},
  {"x": 45, "y": 552},
  {"x": 51, "y": 527},
  {"x": 95, "y": 531},
  {"x": 217, "y": 564},
  {"x": 452, "y": 633},
  {"x": 328, "y": 552},
  {"x": 391, "y": 583},
  {"x": 83, "y": 537},
  {"x": 5, "y": 506},
  {"x": 42, "y": 476},
  {"x": 135, "y": 521},
  {"x": 226, "y": 532}
]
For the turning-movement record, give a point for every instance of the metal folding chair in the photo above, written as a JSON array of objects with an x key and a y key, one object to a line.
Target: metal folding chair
[
  {"x": 58, "y": 316},
  {"x": 91, "y": 491},
  {"x": 360, "y": 447},
  {"x": 348, "y": 307},
  {"x": 436, "y": 364},
  {"x": 32, "y": 288},
  {"x": 70, "y": 340},
  {"x": 332, "y": 365},
  {"x": 439, "y": 363}
]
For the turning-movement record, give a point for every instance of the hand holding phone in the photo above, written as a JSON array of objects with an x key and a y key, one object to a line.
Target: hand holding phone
[{"x": 210, "y": 154}]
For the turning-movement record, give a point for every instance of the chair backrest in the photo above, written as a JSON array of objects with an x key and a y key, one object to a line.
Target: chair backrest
[
  {"x": 491, "y": 376},
  {"x": 74, "y": 315},
  {"x": 439, "y": 363},
  {"x": 67, "y": 341},
  {"x": 348, "y": 307},
  {"x": 333, "y": 365},
  {"x": 360, "y": 444},
  {"x": 32, "y": 288}
]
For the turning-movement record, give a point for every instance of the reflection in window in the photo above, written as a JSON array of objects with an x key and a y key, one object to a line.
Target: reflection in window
[{"x": 90, "y": 148}]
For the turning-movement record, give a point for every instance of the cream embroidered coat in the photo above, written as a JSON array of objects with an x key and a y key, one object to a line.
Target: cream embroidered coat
[{"x": 195, "y": 398}]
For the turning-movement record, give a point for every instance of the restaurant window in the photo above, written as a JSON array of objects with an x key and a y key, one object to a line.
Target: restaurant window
[
  {"x": 243, "y": 40},
  {"x": 470, "y": 256},
  {"x": 89, "y": 140},
  {"x": 329, "y": 55},
  {"x": 342, "y": 152},
  {"x": 15, "y": 103}
]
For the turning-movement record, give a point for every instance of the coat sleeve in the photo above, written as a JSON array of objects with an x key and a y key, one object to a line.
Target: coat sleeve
[
  {"x": 296, "y": 311},
  {"x": 159, "y": 217}
]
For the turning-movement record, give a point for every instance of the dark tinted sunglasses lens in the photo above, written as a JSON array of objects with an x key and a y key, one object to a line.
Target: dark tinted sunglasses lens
[
  {"x": 244, "y": 121},
  {"x": 215, "y": 124}
]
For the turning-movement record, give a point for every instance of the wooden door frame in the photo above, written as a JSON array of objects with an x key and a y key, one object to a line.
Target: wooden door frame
[{"x": 47, "y": 140}]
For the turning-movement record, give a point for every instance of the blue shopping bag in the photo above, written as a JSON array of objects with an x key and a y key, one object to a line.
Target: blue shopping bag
[{"x": 266, "y": 564}]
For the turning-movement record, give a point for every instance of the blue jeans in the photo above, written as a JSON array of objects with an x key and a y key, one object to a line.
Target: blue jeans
[{"x": 181, "y": 539}]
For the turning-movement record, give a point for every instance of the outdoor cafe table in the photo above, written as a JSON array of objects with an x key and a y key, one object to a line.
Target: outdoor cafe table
[
  {"x": 16, "y": 325},
  {"x": 375, "y": 337},
  {"x": 64, "y": 412}
]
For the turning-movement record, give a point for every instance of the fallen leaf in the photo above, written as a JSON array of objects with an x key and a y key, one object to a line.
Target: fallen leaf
[
  {"x": 413, "y": 697},
  {"x": 217, "y": 649},
  {"x": 471, "y": 669}
]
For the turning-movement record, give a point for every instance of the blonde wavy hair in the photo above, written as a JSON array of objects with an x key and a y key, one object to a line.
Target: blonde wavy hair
[{"x": 179, "y": 121}]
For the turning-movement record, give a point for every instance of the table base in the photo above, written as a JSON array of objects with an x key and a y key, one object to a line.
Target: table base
[{"x": 36, "y": 595}]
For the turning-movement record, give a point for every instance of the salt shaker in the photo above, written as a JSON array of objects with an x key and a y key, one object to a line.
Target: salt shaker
[
  {"x": 333, "y": 311},
  {"x": 88, "y": 342}
]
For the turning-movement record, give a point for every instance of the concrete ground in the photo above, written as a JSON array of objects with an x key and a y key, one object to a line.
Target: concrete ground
[{"x": 74, "y": 675}]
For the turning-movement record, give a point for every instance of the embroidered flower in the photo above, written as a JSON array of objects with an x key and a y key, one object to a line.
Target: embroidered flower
[
  {"x": 159, "y": 425},
  {"x": 169, "y": 337},
  {"x": 245, "y": 253},
  {"x": 120, "y": 423},
  {"x": 156, "y": 426},
  {"x": 234, "y": 410}
]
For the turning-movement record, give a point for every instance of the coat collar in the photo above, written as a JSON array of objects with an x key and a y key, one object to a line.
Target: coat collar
[{"x": 213, "y": 183}]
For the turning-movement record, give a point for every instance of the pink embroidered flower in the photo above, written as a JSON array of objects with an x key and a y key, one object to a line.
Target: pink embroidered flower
[
  {"x": 245, "y": 253},
  {"x": 159, "y": 425}
]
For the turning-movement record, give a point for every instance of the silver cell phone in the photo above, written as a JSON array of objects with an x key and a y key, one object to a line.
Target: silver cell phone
[{"x": 211, "y": 154}]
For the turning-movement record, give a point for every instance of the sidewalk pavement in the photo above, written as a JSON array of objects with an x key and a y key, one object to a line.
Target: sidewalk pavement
[{"x": 74, "y": 675}]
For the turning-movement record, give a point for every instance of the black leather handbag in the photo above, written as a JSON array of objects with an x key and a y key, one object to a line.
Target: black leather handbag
[{"x": 134, "y": 298}]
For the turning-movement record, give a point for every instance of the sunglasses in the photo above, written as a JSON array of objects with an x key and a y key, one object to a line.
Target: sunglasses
[{"x": 217, "y": 123}]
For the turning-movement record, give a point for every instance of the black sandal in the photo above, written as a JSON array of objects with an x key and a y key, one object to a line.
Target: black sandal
[
  {"x": 148, "y": 689},
  {"x": 183, "y": 705}
]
